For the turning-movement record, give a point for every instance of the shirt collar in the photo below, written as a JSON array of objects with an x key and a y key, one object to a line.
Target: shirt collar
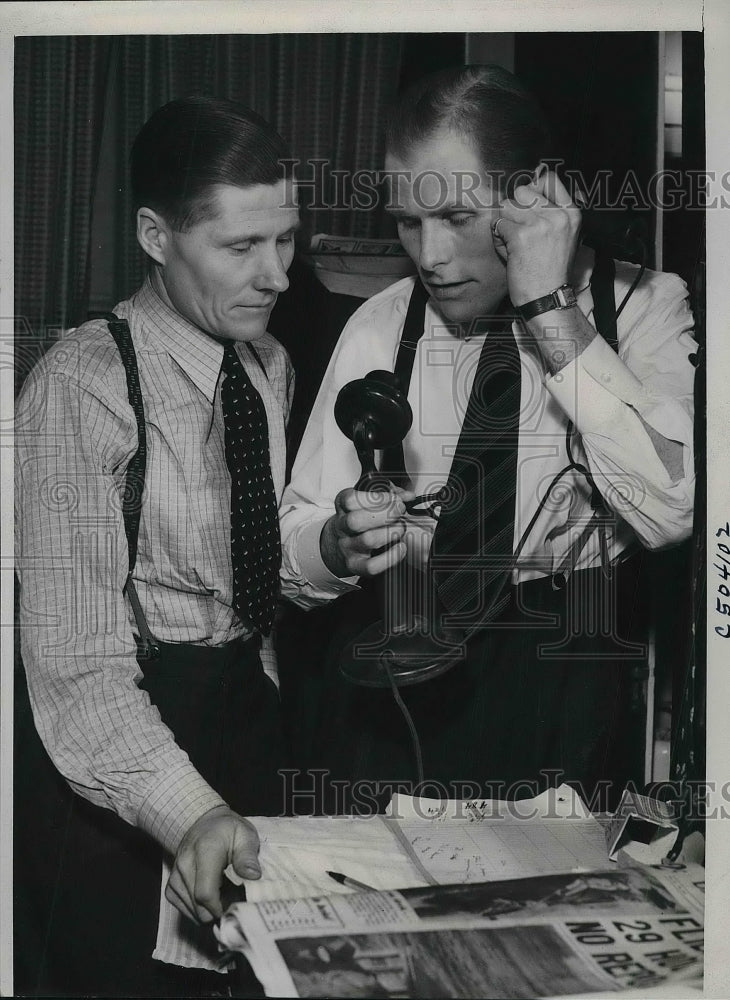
[{"x": 198, "y": 355}]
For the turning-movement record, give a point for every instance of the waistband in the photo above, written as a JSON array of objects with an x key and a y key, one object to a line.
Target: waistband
[{"x": 241, "y": 650}]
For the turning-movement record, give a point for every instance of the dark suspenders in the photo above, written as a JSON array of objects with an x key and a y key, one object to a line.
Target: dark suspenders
[
  {"x": 604, "y": 315},
  {"x": 412, "y": 333},
  {"x": 604, "y": 298},
  {"x": 393, "y": 462},
  {"x": 134, "y": 479},
  {"x": 147, "y": 647}
]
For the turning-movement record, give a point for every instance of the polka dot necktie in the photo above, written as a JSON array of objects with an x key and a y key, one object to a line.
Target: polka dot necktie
[{"x": 255, "y": 538}]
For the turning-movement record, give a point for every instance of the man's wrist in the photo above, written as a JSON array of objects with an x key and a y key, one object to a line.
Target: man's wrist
[
  {"x": 561, "y": 335},
  {"x": 221, "y": 809},
  {"x": 172, "y": 806},
  {"x": 330, "y": 550},
  {"x": 558, "y": 298}
]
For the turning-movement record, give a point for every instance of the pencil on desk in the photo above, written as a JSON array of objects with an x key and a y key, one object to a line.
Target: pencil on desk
[{"x": 351, "y": 883}]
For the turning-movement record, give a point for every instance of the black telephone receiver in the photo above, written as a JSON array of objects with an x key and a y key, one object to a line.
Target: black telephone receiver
[{"x": 623, "y": 233}]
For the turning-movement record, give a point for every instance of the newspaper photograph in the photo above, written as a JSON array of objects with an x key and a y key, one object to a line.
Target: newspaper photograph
[{"x": 554, "y": 935}]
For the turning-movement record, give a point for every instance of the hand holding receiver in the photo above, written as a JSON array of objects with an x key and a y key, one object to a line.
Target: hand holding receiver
[{"x": 365, "y": 535}]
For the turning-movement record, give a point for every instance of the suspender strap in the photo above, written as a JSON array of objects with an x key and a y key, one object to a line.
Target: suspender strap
[
  {"x": 604, "y": 298},
  {"x": 134, "y": 480},
  {"x": 393, "y": 462},
  {"x": 604, "y": 317},
  {"x": 135, "y": 476},
  {"x": 412, "y": 332}
]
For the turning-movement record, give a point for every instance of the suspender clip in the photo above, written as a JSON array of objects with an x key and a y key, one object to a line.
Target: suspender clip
[{"x": 147, "y": 648}]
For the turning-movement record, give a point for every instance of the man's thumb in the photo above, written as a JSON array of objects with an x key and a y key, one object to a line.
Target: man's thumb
[{"x": 245, "y": 854}]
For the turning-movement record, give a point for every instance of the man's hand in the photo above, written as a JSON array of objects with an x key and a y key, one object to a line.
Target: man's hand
[
  {"x": 537, "y": 236},
  {"x": 218, "y": 839},
  {"x": 363, "y": 523}
]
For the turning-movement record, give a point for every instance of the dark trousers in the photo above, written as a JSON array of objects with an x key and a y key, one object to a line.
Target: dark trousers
[
  {"x": 86, "y": 884},
  {"x": 554, "y": 693}
]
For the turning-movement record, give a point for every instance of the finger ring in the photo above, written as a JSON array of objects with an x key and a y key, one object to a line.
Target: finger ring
[{"x": 495, "y": 228}]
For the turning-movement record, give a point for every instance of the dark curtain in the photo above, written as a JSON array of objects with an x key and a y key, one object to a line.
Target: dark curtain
[
  {"x": 77, "y": 98},
  {"x": 59, "y": 99},
  {"x": 325, "y": 94},
  {"x": 599, "y": 92}
]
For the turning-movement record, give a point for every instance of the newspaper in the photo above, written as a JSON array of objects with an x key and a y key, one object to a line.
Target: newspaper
[
  {"x": 477, "y": 840},
  {"x": 424, "y": 841},
  {"x": 353, "y": 266},
  {"x": 420, "y": 842},
  {"x": 546, "y": 936}
]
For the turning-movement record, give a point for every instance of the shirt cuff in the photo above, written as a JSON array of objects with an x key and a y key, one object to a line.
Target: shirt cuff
[
  {"x": 175, "y": 804},
  {"x": 312, "y": 565}
]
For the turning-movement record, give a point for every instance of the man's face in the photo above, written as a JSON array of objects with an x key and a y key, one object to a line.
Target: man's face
[
  {"x": 225, "y": 273},
  {"x": 444, "y": 207}
]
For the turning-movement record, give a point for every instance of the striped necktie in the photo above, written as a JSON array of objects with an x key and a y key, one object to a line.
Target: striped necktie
[
  {"x": 472, "y": 545},
  {"x": 255, "y": 538}
]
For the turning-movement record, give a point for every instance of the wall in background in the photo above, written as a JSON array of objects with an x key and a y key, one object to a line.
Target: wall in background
[{"x": 497, "y": 47}]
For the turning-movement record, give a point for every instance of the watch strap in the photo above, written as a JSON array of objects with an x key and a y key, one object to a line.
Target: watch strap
[{"x": 560, "y": 298}]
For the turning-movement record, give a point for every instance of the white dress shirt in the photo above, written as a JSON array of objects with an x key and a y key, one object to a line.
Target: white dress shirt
[{"x": 604, "y": 394}]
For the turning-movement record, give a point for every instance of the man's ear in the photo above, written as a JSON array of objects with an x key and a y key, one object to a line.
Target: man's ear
[
  {"x": 539, "y": 171},
  {"x": 153, "y": 234}
]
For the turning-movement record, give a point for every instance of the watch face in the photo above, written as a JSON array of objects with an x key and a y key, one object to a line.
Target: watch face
[{"x": 565, "y": 296}]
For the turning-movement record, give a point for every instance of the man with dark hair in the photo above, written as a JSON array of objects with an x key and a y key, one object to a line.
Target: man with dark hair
[
  {"x": 150, "y": 458},
  {"x": 551, "y": 391}
]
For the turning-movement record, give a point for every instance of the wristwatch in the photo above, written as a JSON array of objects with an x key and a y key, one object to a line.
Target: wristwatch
[{"x": 560, "y": 298}]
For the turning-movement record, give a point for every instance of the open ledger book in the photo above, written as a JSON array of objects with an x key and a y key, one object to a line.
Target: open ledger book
[{"x": 476, "y": 899}]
